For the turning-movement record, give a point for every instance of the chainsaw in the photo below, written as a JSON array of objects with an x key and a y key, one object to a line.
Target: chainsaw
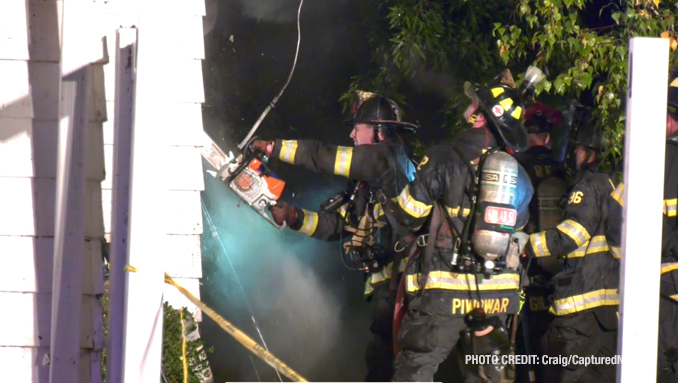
[{"x": 248, "y": 176}]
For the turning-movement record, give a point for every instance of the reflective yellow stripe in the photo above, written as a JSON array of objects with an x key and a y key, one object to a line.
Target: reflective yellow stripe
[
  {"x": 506, "y": 103},
  {"x": 342, "y": 210},
  {"x": 378, "y": 211},
  {"x": 385, "y": 273},
  {"x": 288, "y": 150},
  {"x": 616, "y": 251},
  {"x": 538, "y": 242},
  {"x": 586, "y": 301},
  {"x": 497, "y": 91},
  {"x": 454, "y": 211},
  {"x": 446, "y": 280},
  {"x": 342, "y": 164},
  {"x": 597, "y": 244},
  {"x": 310, "y": 223},
  {"x": 368, "y": 287},
  {"x": 669, "y": 267},
  {"x": 516, "y": 112},
  {"x": 670, "y": 206},
  {"x": 575, "y": 231},
  {"x": 618, "y": 194},
  {"x": 411, "y": 206}
]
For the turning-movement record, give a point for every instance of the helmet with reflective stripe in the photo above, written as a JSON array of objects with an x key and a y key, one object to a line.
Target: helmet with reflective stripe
[
  {"x": 504, "y": 105},
  {"x": 375, "y": 109}
]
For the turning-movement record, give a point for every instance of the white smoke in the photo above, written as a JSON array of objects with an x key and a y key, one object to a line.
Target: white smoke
[
  {"x": 307, "y": 306},
  {"x": 279, "y": 11}
]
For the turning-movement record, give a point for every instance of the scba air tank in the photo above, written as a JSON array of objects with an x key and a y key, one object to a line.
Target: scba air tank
[{"x": 496, "y": 212}]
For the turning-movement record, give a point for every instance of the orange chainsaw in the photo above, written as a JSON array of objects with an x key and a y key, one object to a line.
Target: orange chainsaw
[{"x": 248, "y": 176}]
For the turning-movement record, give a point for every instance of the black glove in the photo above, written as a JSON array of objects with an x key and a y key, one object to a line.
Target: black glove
[
  {"x": 263, "y": 146},
  {"x": 283, "y": 212}
]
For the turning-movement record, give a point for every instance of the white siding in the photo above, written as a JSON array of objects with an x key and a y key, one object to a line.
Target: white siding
[
  {"x": 183, "y": 48},
  {"x": 29, "y": 112}
]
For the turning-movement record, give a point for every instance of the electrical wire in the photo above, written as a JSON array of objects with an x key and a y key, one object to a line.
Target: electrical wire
[
  {"x": 215, "y": 235},
  {"x": 289, "y": 77}
]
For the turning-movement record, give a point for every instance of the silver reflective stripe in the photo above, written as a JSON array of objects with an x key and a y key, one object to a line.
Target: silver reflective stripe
[
  {"x": 342, "y": 164},
  {"x": 288, "y": 151},
  {"x": 575, "y": 231},
  {"x": 445, "y": 281},
  {"x": 310, "y": 223},
  {"x": 411, "y": 206},
  {"x": 585, "y": 301}
]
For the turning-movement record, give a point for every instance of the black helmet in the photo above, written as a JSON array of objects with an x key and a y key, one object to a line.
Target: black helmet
[
  {"x": 673, "y": 93},
  {"x": 504, "y": 105},
  {"x": 588, "y": 134},
  {"x": 374, "y": 109},
  {"x": 541, "y": 119}
]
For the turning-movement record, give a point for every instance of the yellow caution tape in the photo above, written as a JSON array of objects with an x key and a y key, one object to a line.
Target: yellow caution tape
[
  {"x": 241, "y": 337},
  {"x": 183, "y": 345}
]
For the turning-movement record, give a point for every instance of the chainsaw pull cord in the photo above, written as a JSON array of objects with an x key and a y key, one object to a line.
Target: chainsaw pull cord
[{"x": 289, "y": 77}]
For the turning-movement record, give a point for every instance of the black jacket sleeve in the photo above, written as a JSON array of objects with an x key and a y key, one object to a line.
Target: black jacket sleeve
[
  {"x": 670, "y": 224},
  {"x": 582, "y": 216},
  {"x": 320, "y": 225},
  {"x": 364, "y": 163},
  {"x": 414, "y": 203}
]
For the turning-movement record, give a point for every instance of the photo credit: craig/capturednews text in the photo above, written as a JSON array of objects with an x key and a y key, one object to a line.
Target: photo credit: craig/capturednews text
[{"x": 563, "y": 360}]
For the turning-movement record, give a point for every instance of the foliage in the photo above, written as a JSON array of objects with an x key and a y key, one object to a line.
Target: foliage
[
  {"x": 582, "y": 57},
  {"x": 581, "y": 46},
  {"x": 172, "y": 366}
]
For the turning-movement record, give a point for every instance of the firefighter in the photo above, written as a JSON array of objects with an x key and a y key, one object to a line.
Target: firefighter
[
  {"x": 668, "y": 307},
  {"x": 550, "y": 187},
  {"x": 454, "y": 295},
  {"x": 356, "y": 217},
  {"x": 585, "y": 298}
]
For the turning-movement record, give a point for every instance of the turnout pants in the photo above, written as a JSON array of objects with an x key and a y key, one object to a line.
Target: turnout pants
[
  {"x": 583, "y": 334},
  {"x": 534, "y": 322},
  {"x": 427, "y": 339},
  {"x": 379, "y": 356},
  {"x": 667, "y": 354}
]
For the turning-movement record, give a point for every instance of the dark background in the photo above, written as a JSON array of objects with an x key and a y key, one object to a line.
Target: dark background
[{"x": 309, "y": 308}]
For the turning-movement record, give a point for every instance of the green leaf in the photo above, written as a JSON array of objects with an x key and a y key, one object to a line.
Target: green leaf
[{"x": 559, "y": 86}]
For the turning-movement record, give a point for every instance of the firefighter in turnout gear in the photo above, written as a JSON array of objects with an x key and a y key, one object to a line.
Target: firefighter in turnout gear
[
  {"x": 460, "y": 291},
  {"x": 585, "y": 298},
  {"x": 667, "y": 354},
  {"x": 550, "y": 187},
  {"x": 371, "y": 240}
]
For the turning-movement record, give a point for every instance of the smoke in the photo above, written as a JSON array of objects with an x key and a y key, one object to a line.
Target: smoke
[
  {"x": 279, "y": 11},
  {"x": 443, "y": 84},
  {"x": 287, "y": 282}
]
